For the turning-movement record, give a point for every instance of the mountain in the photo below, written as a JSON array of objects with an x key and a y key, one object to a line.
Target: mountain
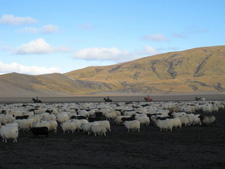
[
  {"x": 194, "y": 70},
  {"x": 20, "y": 85}
]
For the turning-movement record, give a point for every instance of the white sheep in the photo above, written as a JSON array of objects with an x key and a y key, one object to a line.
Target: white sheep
[
  {"x": 129, "y": 113},
  {"x": 30, "y": 114},
  {"x": 98, "y": 129},
  {"x": 9, "y": 132},
  {"x": 207, "y": 108},
  {"x": 25, "y": 124},
  {"x": 51, "y": 117},
  {"x": 68, "y": 126},
  {"x": 118, "y": 113},
  {"x": 176, "y": 122},
  {"x": 165, "y": 124},
  {"x": 43, "y": 116},
  {"x": 106, "y": 123},
  {"x": 62, "y": 117},
  {"x": 4, "y": 119},
  {"x": 215, "y": 108},
  {"x": 118, "y": 119},
  {"x": 53, "y": 125},
  {"x": 42, "y": 124},
  {"x": 55, "y": 111},
  {"x": 194, "y": 119},
  {"x": 39, "y": 111},
  {"x": 182, "y": 116},
  {"x": 143, "y": 119},
  {"x": 132, "y": 125},
  {"x": 92, "y": 112},
  {"x": 16, "y": 113},
  {"x": 208, "y": 119},
  {"x": 79, "y": 123},
  {"x": 47, "y": 116},
  {"x": 86, "y": 127},
  {"x": 110, "y": 115},
  {"x": 14, "y": 124},
  {"x": 83, "y": 113}
]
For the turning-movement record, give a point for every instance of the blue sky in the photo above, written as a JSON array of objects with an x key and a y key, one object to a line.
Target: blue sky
[{"x": 39, "y": 37}]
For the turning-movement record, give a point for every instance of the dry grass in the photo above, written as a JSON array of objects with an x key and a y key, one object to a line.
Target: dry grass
[
  {"x": 200, "y": 69},
  {"x": 195, "y": 70}
]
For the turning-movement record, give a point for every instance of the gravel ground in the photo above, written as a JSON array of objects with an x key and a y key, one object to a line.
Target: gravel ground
[{"x": 133, "y": 98}]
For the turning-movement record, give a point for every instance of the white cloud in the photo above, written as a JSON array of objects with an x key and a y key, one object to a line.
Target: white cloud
[
  {"x": 101, "y": 54},
  {"x": 194, "y": 29},
  {"x": 113, "y": 54},
  {"x": 7, "y": 48},
  {"x": 85, "y": 26},
  {"x": 156, "y": 38},
  {"x": 180, "y": 35},
  {"x": 35, "y": 70},
  {"x": 38, "y": 46},
  {"x": 189, "y": 31},
  {"x": 63, "y": 49},
  {"x": 168, "y": 49},
  {"x": 47, "y": 29},
  {"x": 29, "y": 30},
  {"x": 15, "y": 20},
  {"x": 147, "y": 51}
]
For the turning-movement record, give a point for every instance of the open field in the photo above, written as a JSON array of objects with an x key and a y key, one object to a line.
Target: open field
[
  {"x": 187, "y": 147},
  {"x": 115, "y": 98}
]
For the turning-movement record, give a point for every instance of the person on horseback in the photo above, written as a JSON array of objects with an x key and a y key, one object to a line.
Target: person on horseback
[{"x": 148, "y": 98}]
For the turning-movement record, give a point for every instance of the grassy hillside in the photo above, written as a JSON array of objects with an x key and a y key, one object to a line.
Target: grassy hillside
[
  {"x": 15, "y": 84},
  {"x": 200, "y": 69},
  {"x": 194, "y": 70}
]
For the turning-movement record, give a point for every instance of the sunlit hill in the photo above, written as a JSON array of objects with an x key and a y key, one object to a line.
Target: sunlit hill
[{"x": 191, "y": 71}]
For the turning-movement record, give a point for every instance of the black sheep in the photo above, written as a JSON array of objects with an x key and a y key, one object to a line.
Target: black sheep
[{"x": 37, "y": 131}]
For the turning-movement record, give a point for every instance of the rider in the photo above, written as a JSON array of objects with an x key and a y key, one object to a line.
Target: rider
[
  {"x": 148, "y": 97},
  {"x": 37, "y": 98}
]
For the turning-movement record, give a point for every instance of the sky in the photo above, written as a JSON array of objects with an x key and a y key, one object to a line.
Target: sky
[{"x": 54, "y": 36}]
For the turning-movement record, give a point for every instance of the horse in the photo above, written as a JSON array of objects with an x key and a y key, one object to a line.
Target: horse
[
  {"x": 107, "y": 100},
  {"x": 199, "y": 99},
  {"x": 36, "y": 100},
  {"x": 147, "y": 99}
]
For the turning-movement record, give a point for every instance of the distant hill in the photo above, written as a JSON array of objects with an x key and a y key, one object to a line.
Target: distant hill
[
  {"x": 20, "y": 85},
  {"x": 194, "y": 70}
]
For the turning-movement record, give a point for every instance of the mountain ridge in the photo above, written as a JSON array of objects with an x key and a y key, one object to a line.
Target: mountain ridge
[{"x": 192, "y": 70}]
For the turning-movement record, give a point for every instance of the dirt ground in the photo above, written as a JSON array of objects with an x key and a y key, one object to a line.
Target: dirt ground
[
  {"x": 115, "y": 98},
  {"x": 189, "y": 147}
]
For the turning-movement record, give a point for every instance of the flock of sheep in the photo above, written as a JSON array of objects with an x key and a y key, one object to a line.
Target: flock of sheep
[{"x": 96, "y": 118}]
